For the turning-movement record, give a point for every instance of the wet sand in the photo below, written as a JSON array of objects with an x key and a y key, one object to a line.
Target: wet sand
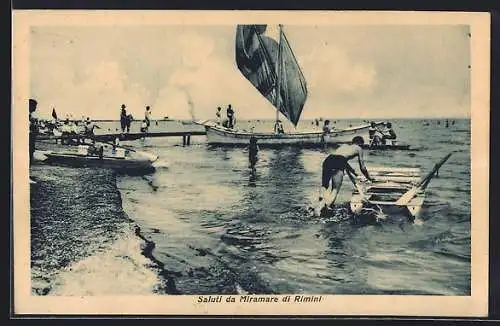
[{"x": 77, "y": 231}]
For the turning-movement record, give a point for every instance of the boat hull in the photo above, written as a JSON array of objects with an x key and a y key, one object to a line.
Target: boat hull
[
  {"x": 382, "y": 210},
  {"x": 397, "y": 146},
  {"x": 218, "y": 135},
  {"x": 126, "y": 165}
]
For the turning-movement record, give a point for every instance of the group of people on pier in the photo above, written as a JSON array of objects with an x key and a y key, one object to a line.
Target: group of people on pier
[{"x": 126, "y": 120}]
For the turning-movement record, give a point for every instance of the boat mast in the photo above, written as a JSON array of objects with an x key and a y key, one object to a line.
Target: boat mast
[{"x": 278, "y": 74}]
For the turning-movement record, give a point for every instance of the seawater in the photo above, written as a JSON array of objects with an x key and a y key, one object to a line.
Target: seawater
[{"x": 218, "y": 229}]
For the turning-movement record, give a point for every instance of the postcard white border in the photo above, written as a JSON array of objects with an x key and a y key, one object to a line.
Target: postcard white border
[{"x": 353, "y": 305}]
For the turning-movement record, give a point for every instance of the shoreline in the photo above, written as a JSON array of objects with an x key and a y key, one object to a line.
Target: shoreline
[{"x": 60, "y": 258}]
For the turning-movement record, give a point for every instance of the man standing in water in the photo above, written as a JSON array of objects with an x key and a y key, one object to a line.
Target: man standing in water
[
  {"x": 325, "y": 137},
  {"x": 253, "y": 151},
  {"x": 334, "y": 166},
  {"x": 388, "y": 133}
]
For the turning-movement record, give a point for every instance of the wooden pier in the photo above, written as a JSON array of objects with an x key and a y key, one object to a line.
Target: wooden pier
[{"x": 186, "y": 136}]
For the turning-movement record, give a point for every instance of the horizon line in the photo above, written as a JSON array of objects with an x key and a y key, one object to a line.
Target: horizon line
[{"x": 269, "y": 119}]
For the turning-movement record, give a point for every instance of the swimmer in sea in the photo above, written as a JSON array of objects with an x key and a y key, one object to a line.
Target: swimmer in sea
[{"x": 334, "y": 166}]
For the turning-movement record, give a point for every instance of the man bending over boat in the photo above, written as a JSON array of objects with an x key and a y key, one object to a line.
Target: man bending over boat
[{"x": 334, "y": 166}]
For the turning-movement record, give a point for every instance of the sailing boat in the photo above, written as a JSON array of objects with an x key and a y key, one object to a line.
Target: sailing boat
[{"x": 271, "y": 67}]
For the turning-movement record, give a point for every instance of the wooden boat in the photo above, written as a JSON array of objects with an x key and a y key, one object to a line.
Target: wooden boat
[
  {"x": 221, "y": 136},
  {"x": 271, "y": 67},
  {"x": 395, "y": 189},
  {"x": 120, "y": 159},
  {"x": 390, "y": 145}
]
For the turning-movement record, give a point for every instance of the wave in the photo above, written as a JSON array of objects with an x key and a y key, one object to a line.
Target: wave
[
  {"x": 120, "y": 269},
  {"x": 83, "y": 242}
]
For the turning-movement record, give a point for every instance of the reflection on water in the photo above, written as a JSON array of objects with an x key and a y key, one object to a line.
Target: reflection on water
[{"x": 219, "y": 228}]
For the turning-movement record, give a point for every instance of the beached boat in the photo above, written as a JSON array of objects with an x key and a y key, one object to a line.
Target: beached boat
[
  {"x": 395, "y": 189},
  {"x": 120, "y": 159},
  {"x": 271, "y": 67}
]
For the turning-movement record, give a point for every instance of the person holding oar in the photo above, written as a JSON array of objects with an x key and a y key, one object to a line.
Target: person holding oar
[{"x": 333, "y": 168}]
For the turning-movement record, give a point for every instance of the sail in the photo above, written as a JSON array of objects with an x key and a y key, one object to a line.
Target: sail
[
  {"x": 293, "y": 88},
  {"x": 262, "y": 60}
]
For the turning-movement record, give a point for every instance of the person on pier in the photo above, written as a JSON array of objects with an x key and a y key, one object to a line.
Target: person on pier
[
  {"x": 89, "y": 129},
  {"x": 123, "y": 118},
  {"x": 128, "y": 123},
  {"x": 147, "y": 116}
]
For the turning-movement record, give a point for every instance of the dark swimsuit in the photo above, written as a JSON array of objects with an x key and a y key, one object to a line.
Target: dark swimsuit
[{"x": 331, "y": 165}]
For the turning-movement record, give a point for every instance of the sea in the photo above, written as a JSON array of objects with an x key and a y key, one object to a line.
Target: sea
[{"x": 202, "y": 223}]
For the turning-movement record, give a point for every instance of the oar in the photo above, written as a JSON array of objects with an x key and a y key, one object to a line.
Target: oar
[{"x": 406, "y": 197}]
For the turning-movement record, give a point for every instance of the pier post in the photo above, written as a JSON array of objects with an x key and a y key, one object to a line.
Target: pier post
[
  {"x": 183, "y": 140},
  {"x": 188, "y": 139}
]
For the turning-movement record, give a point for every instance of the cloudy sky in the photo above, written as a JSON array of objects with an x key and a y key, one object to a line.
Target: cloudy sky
[{"x": 351, "y": 71}]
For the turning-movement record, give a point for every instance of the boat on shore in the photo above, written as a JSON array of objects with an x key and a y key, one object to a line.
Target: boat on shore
[
  {"x": 120, "y": 159},
  {"x": 271, "y": 67}
]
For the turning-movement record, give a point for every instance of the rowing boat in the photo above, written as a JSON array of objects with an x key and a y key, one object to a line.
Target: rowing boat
[
  {"x": 389, "y": 146},
  {"x": 395, "y": 189},
  {"x": 120, "y": 159},
  {"x": 222, "y": 136}
]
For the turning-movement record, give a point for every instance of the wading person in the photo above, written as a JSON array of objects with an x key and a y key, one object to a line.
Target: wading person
[
  {"x": 325, "y": 137},
  {"x": 388, "y": 133},
  {"x": 372, "y": 134},
  {"x": 333, "y": 168},
  {"x": 253, "y": 151}
]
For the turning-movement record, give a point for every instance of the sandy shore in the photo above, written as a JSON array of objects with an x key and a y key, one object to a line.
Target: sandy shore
[{"x": 80, "y": 234}]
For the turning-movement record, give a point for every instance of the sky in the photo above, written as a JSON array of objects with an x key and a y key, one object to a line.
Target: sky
[{"x": 186, "y": 72}]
